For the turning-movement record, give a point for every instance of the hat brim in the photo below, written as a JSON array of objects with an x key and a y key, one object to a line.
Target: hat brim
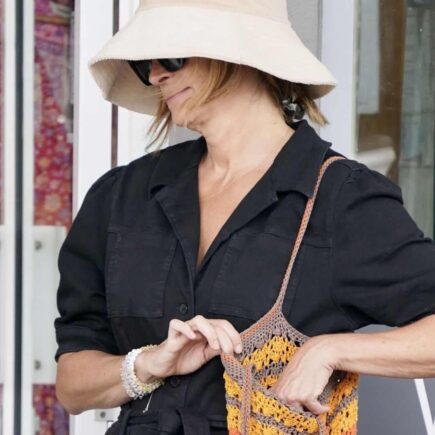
[{"x": 165, "y": 32}]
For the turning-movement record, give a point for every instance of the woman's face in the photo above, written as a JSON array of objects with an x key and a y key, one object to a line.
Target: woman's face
[{"x": 178, "y": 86}]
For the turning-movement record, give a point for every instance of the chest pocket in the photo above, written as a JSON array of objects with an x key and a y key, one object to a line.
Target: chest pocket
[
  {"x": 137, "y": 267},
  {"x": 252, "y": 271}
]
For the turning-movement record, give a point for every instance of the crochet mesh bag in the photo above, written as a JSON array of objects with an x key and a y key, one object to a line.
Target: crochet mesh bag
[{"x": 268, "y": 346}]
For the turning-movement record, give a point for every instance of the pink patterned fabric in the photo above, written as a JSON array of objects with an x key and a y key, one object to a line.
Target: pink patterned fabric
[
  {"x": 53, "y": 146},
  {"x": 53, "y": 419},
  {"x": 53, "y": 156}
]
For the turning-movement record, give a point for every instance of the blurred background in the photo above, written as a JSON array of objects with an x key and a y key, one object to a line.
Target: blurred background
[{"x": 57, "y": 135}]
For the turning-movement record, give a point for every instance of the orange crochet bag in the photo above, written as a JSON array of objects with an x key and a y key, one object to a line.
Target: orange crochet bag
[{"x": 268, "y": 346}]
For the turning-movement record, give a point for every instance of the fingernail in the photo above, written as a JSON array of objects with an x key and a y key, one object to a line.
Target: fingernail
[
  {"x": 239, "y": 348},
  {"x": 215, "y": 345}
]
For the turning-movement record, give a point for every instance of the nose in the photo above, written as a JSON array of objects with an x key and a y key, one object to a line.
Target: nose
[{"x": 158, "y": 73}]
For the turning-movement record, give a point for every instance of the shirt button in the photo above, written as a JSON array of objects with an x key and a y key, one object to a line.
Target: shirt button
[
  {"x": 174, "y": 381},
  {"x": 183, "y": 308}
]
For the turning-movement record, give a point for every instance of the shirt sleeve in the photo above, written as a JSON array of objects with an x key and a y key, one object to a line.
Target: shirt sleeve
[
  {"x": 383, "y": 266},
  {"x": 81, "y": 301}
]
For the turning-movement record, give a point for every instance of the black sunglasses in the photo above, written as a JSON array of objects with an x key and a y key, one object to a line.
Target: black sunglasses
[{"x": 142, "y": 68}]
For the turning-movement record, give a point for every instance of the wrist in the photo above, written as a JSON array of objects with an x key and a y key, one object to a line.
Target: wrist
[
  {"x": 145, "y": 367},
  {"x": 337, "y": 350},
  {"x": 133, "y": 385},
  {"x": 329, "y": 346}
]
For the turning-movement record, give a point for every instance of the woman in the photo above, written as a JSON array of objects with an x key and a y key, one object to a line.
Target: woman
[{"x": 184, "y": 248}]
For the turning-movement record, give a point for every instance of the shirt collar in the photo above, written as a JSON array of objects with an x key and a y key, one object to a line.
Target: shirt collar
[{"x": 296, "y": 166}]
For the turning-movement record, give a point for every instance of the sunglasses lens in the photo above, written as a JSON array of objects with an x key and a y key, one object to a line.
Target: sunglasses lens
[
  {"x": 173, "y": 64},
  {"x": 142, "y": 67},
  {"x": 142, "y": 70}
]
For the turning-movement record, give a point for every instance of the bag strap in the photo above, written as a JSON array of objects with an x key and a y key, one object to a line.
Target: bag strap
[{"x": 303, "y": 226}]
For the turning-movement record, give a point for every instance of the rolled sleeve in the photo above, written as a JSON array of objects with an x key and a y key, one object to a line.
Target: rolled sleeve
[
  {"x": 383, "y": 266},
  {"x": 83, "y": 323}
]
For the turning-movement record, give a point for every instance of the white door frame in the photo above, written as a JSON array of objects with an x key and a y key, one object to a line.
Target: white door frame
[
  {"x": 27, "y": 413},
  {"x": 338, "y": 48},
  {"x": 92, "y": 115},
  {"x": 7, "y": 232},
  {"x": 92, "y": 130}
]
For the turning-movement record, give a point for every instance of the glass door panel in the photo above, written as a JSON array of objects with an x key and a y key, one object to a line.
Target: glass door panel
[{"x": 417, "y": 127}]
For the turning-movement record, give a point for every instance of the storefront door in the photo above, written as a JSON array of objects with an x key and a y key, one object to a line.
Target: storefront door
[{"x": 54, "y": 122}]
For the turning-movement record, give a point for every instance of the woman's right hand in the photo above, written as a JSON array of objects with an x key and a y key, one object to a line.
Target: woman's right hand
[{"x": 188, "y": 347}]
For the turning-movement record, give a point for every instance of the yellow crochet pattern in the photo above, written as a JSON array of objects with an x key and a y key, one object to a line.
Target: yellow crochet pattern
[{"x": 268, "y": 346}]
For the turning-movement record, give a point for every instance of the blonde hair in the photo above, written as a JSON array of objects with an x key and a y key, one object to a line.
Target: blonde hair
[{"x": 223, "y": 77}]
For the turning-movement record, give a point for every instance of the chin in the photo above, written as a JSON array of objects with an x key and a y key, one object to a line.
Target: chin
[{"x": 179, "y": 119}]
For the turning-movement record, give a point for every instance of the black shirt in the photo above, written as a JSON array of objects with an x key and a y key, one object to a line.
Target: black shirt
[{"x": 128, "y": 264}]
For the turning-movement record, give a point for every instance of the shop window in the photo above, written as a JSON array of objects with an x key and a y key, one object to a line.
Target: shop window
[{"x": 396, "y": 97}]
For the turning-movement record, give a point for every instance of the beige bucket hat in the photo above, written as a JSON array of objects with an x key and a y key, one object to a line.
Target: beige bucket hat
[{"x": 256, "y": 33}]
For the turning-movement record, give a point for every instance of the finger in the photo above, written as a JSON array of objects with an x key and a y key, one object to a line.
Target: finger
[
  {"x": 296, "y": 405},
  {"x": 200, "y": 324},
  {"x": 315, "y": 406},
  {"x": 232, "y": 333},
  {"x": 225, "y": 342},
  {"x": 279, "y": 390},
  {"x": 177, "y": 327}
]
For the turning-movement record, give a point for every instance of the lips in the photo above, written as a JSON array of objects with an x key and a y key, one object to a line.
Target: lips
[{"x": 174, "y": 95}]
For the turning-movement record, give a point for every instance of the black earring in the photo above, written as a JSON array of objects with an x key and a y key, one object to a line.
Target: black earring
[{"x": 293, "y": 109}]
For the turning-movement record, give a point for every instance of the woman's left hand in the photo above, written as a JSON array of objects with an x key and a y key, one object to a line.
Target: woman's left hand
[{"x": 306, "y": 376}]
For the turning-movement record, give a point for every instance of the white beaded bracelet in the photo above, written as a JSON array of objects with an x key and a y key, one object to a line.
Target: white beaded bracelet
[{"x": 131, "y": 383}]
